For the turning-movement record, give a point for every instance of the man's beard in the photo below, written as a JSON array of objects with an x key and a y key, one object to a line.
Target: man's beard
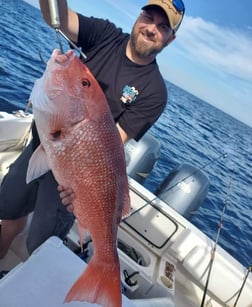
[{"x": 143, "y": 49}]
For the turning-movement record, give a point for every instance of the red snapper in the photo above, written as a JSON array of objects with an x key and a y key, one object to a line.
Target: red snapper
[{"x": 82, "y": 146}]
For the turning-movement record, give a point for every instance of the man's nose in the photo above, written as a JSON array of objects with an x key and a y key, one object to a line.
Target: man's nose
[{"x": 151, "y": 29}]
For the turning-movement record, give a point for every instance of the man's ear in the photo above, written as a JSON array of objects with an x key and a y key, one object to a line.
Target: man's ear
[{"x": 172, "y": 38}]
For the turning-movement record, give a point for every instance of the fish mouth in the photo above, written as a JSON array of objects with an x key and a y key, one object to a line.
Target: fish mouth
[{"x": 62, "y": 58}]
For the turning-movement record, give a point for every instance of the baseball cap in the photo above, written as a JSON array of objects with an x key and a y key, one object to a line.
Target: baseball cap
[{"x": 174, "y": 10}]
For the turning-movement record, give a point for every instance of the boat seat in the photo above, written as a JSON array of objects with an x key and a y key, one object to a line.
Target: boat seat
[
  {"x": 184, "y": 244},
  {"x": 225, "y": 270},
  {"x": 194, "y": 254}
]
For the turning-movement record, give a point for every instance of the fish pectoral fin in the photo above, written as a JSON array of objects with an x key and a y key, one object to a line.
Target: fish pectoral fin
[{"x": 38, "y": 165}]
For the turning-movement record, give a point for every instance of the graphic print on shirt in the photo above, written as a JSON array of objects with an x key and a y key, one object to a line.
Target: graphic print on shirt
[{"x": 129, "y": 94}]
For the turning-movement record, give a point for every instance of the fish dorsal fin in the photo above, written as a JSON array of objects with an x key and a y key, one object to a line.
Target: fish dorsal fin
[{"x": 38, "y": 164}]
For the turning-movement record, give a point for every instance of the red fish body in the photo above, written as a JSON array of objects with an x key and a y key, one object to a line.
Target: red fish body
[{"x": 81, "y": 145}]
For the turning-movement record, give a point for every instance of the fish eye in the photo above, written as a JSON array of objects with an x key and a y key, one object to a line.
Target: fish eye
[
  {"x": 85, "y": 83},
  {"x": 56, "y": 135}
]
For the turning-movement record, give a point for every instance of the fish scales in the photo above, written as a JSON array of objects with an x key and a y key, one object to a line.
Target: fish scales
[{"x": 82, "y": 146}]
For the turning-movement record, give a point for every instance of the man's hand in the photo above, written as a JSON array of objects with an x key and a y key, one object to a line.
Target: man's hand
[{"x": 67, "y": 197}]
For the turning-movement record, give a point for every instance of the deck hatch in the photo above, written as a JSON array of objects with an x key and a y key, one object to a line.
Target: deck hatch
[{"x": 152, "y": 224}]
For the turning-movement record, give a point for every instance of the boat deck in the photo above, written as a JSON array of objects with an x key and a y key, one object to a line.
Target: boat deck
[{"x": 18, "y": 255}]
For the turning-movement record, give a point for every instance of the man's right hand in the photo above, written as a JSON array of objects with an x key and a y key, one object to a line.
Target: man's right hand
[{"x": 67, "y": 197}]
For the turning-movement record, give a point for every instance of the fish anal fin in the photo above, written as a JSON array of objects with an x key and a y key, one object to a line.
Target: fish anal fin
[
  {"x": 38, "y": 164},
  {"x": 83, "y": 234},
  {"x": 99, "y": 283}
]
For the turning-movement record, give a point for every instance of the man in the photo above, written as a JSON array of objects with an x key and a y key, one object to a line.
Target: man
[{"x": 126, "y": 68}]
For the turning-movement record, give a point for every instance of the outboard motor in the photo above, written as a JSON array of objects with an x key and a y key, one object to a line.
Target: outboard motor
[
  {"x": 184, "y": 189},
  {"x": 141, "y": 157}
]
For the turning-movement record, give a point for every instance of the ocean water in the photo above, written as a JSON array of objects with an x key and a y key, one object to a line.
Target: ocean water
[{"x": 190, "y": 131}]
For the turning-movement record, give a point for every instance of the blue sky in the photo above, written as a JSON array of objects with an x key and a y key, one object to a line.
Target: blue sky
[{"x": 211, "y": 56}]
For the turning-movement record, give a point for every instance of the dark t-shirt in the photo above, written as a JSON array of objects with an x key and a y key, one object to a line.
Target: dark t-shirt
[{"x": 135, "y": 93}]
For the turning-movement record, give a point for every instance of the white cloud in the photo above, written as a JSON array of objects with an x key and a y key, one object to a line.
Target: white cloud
[
  {"x": 125, "y": 9},
  {"x": 214, "y": 63},
  {"x": 224, "y": 49}
]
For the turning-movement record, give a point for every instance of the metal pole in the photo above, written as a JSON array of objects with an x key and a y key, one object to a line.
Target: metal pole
[{"x": 243, "y": 284}]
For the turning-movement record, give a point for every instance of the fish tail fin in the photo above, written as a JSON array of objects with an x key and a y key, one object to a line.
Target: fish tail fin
[{"x": 99, "y": 284}]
